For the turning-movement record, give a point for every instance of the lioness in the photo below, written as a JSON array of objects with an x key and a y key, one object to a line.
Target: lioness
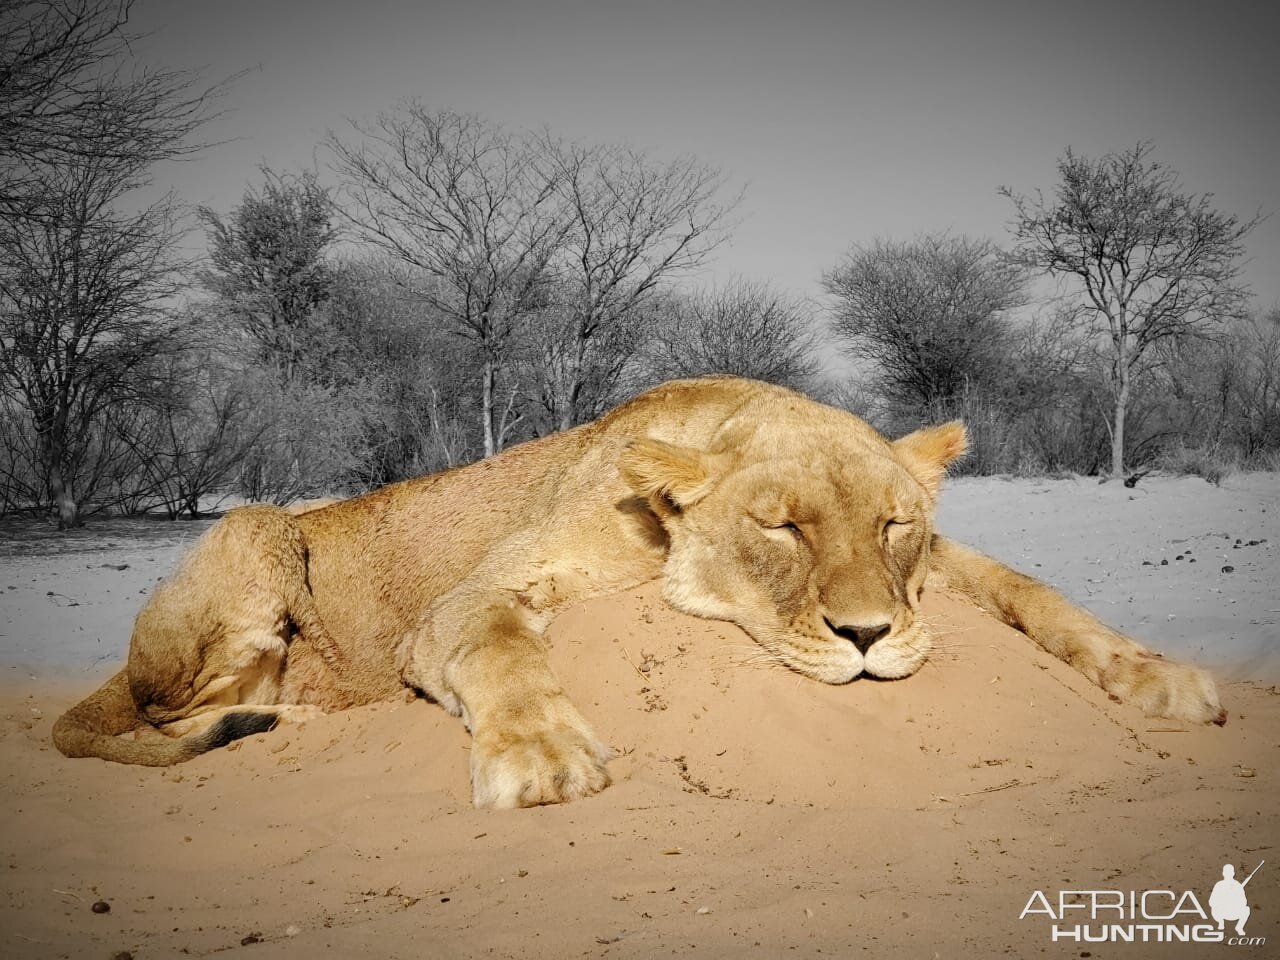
[{"x": 796, "y": 521}]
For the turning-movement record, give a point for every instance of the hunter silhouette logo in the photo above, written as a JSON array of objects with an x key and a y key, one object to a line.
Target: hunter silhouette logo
[{"x": 1228, "y": 900}]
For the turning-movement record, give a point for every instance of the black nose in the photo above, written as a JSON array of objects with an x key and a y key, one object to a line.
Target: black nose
[{"x": 860, "y": 636}]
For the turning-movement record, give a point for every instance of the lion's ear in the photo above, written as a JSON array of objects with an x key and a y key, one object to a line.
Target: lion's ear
[
  {"x": 930, "y": 450},
  {"x": 664, "y": 473}
]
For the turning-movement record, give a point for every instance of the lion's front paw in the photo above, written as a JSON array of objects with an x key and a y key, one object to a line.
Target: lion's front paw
[
  {"x": 553, "y": 763},
  {"x": 1165, "y": 688}
]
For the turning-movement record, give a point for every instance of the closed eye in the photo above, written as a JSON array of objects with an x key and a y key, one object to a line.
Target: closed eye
[{"x": 787, "y": 529}]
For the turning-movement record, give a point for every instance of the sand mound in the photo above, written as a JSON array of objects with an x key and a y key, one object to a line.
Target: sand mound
[
  {"x": 694, "y": 704},
  {"x": 752, "y": 812}
]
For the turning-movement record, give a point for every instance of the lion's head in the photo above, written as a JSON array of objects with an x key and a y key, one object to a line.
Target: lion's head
[{"x": 807, "y": 529}]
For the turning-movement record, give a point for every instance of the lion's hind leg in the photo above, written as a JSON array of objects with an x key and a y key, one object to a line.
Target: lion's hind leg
[
  {"x": 209, "y": 653},
  {"x": 100, "y": 725},
  {"x": 238, "y": 689}
]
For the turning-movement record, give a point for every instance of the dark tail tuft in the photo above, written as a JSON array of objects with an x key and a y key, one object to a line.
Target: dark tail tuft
[
  {"x": 234, "y": 726},
  {"x": 93, "y": 728}
]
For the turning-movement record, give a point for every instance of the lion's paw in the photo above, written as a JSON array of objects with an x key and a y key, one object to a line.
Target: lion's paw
[
  {"x": 298, "y": 712},
  {"x": 554, "y": 764},
  {"x": 1165, "y": 688}
]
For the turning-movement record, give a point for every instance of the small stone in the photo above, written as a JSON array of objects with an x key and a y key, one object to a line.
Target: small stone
[
  {"x": 101, "y": 906},
  {"x": 1228, "y": 569},
  {"x": 292, "y": 931},
  {"x": 122, "y": 955},
  {"x": 1178, "y": 557},
  {"x": 522, "y": 873},
  {"x": 704, "y": 910},
  {"x": 251, "y": 938},
  {"x": 1164, "y": 563}
]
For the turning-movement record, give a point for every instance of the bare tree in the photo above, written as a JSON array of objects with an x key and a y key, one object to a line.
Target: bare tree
[
  {"x": 932, "y": 312},
  {"x": 1224, "y": 394},
  {"x": 267, "y": 263},
  {"x": 311, "y": 439},
  {"x": 82, "y": 282},
  {"x": 82, "y": 292},
  {"x": 193, "y": 434},
  {"x": 743, "y": 328},
  {"x": 474, "y": 208},
  {"x": 554, "y": 363},
  {"x": 426, "y": 414},
  {"x": 21, "y": 485},
  {"x": 1257, "y": 401},
  {"x": 1154, "y": 263},
  {"x": 636, "y": 223},
  {"x": 71, "y": 90}
]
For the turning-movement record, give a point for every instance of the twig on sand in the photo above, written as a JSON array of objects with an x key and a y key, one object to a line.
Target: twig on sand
[
  {"x": 67, "y": 893},
  {"x": 977, "y": 793},
  {"x": 639, "y": 673},
  {"x": 1015, "y": 782}
]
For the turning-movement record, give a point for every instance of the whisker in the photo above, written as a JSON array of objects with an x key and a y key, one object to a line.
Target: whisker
[{"x": 750, "y": 655}]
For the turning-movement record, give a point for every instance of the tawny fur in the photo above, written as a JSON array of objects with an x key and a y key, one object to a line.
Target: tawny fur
[{"x": 796, "y": 521}]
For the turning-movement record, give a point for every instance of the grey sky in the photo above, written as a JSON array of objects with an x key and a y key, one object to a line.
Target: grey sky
[{"x": 845, "y": 121}]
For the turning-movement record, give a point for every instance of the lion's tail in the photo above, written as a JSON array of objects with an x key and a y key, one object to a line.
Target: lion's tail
[{"x": 92, "y": 728}]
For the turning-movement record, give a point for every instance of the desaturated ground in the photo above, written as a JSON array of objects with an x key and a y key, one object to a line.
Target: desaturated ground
[{"x": 754, "y": 813}]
